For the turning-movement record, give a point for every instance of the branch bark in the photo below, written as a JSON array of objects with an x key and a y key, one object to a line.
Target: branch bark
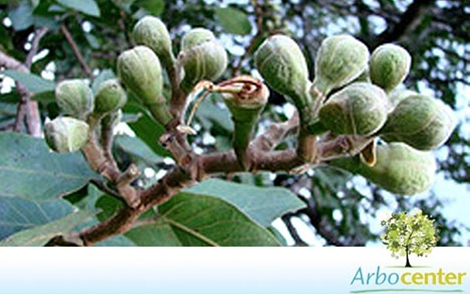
[
  {"x": 407, "y": 23},
  {"x": 186, "y": 175},
  {"x": 27, "y": 111}
]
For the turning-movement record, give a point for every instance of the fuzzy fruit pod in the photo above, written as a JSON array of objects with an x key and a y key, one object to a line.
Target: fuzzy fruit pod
[
  {"x": 109, "y": 98},
  {"x": 358, "y": 109},
  {"x": 74, "y": 98},
  {"x": 140, "y": 70},
  {"x": 398, "y": 96},
  {"x": 205, "y": 61},
  {"x": 282, "y": 65},
  {"x": 66, "y": 134},
  {"x": 245, "y": 107},
  {"x": 196, "y": 37},
  {"x": 340, "y": 60},
  {"x": 399, "y": 169},
  {"x": 152, "y": 32},
  {"x": 421, "y": 122},
  {"x": 389, "y": 66}
]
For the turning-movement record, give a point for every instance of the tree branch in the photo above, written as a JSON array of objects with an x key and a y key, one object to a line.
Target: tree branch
[
  {"x": 27, "y": 110},
  {"x": 187, "y": 175},
  {"x": 407, "y": 23},
  {"x": 293, "y": 232},
  {"x": 76, "y": 50}
]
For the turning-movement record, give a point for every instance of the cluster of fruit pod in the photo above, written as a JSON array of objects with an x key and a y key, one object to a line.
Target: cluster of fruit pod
[{"x": 352, "y": 94}]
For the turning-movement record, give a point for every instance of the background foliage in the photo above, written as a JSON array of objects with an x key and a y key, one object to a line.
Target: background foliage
[{"x": 337, "y": 209}]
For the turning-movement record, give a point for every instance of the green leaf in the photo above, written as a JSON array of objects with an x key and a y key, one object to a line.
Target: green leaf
[
  {"x": 117, "y": 241},
  {"x": 137, "y": 149},
  {"x": 104, "y": 75},
  {"x": 86, "y": 6},
  {"x": 34, "y": 83},
  {"x": 21, "y": 17},
  {"x": 17, "y": 214},
  {"x": 233, "y": 20},
  {"x": 28, "y": 169},
  {"x": 199, "y": 220},
  {"x": 155, "y": 7},
  {"x": 146, "y": 128},
  {"x": 263, "y": 205},
  {"x": 39, "y": 236},
  {"x": 159, "y": 233},
  {"x": 108, "y": 206},
  {"x": 209, "y": 114}
]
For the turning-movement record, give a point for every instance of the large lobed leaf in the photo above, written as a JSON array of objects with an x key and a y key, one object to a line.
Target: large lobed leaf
[
  {"x": 28, "y": 169},
  {"x": 39, "y": 236},
  {"x": 263, "y": 205},
  {"x": 85, "y": 6},
  {"x": 34, "y": 83},
  {"x": 17, "y": 214},
  {"x": 233, "y": 20},
  {"x": 199, "y": 220}
]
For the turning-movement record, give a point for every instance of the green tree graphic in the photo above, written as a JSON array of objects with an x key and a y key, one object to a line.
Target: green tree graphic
[{"x": 409, "y": 233}]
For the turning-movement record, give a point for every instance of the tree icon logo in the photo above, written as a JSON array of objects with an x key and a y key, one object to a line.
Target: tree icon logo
[{"x": 406, "y": 234}]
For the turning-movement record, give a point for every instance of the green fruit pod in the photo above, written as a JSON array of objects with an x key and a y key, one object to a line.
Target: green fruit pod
[
  {"x": 74, "y": 98},
  {"x": 389, "y": 66},
  {"x": 358, "y": 109},
  {"x": 152, "y": 32},
  {"x": 206, "y": 61},
  {"x": 110, "y": 97},
  {"x": 245, "y": 107},
  {"x": 399, "y": 169},
  {"x": 66, "y": 134},
  {"x": 340, "y": 60},
  {"x": 398, "y": 96},
  {"x": 140, "y": 70},
  {"x": 421, "y": 122},
  {"x": 195, "y": 37},
  {"x": 282, "y": 65}
]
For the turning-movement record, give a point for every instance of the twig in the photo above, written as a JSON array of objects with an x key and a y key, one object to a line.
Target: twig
[
  {"x": 76, "y": 51},
  {"x": 39, "y": 34},
  {"x": 187, "y": 175},
  {"x": 275, "y": 134},
  {"x": 292, "y": 230},
  {"x": 26, "y": 111}
]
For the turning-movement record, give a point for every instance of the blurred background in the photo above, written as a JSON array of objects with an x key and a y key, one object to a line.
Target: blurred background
[{"x": 82, "y": 39}]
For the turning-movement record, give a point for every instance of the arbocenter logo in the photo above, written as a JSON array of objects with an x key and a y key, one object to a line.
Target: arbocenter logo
[
  {"x": 405, "y": 235},
  {"x": 407, "y": 280}
]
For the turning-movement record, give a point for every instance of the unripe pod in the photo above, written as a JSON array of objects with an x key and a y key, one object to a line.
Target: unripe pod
[
  {"x": 358, "y": 109},
  {"x": 282, "y": 64},
  {"x": 206, "y": 61},
  {"x": 245, "y": 107},
  {"x": 195, "y": 37},
  {"x": 152, "y": 32},
  {"x": 66, "y": 134},
  {"x": 140, "y": 70},
  {"x": 421, "y": 122},
  {"x": 389, "y": 66},
  {"x": 74, "y": 98},
  {"x": 397, "y": 96},
  {"x": 109, "y": 98},
  {"x": 399, "y": 169},
  {"x": 340, "y": 60}
]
